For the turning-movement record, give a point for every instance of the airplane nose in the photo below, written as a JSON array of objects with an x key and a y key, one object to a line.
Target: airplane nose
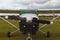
[{"x": 29, "y": 21}]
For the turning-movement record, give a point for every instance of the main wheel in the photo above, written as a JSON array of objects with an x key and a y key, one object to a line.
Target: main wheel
[
  {"x": 9, "y": 34},
  {"x": 48, "y": 34}
]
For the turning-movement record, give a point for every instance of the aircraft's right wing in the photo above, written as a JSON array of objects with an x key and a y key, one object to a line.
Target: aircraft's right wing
[{"x": 8, "y": 14}]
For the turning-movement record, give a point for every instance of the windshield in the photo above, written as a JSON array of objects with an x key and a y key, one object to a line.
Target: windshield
[{"x": 28, "y": 11}]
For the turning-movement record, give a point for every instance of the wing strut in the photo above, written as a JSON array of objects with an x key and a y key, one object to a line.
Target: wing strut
[{"x": 9, "y": 22}]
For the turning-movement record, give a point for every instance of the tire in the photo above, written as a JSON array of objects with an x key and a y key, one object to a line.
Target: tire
[
  {"x": 9, "y": 34},
  {"x": 29, "y": 39},
  {"x": 48, "y": 34}
]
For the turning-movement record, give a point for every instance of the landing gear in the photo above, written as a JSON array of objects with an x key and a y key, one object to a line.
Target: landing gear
[
  {"x": 29, "y": 37},
  {"x": 9, "y": 34},
  {"x": 48, "y": 34}
]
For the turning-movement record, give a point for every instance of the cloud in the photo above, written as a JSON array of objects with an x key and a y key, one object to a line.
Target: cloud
[
  {"x": 51, "y": 4},
  {"x": 29, "y": 4}
]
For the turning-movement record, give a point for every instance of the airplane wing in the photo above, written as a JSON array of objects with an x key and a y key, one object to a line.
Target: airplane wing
[
  {"x": 16, "y": 14},
  {"x": 48, "y": 14},
  {"x": 8, "y": 14}
]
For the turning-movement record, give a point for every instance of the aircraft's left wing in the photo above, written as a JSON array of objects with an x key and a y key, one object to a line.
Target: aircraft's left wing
[{"x": 48, "y": 14}]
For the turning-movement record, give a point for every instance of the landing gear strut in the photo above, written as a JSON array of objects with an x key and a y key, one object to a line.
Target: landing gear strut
[
  {"x": 47, "y": 34},
  {"x": 29, "y": 37}
]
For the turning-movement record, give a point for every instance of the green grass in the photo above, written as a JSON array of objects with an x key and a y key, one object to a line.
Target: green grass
[{"x": 54, "y": 30}]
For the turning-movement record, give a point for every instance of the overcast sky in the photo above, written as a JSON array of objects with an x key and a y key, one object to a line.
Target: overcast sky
[{"x": 29, "y": 4}]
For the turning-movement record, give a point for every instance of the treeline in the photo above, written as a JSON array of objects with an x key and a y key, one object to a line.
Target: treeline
[
  {"x": 9, "y": 11},
  {"x": 50, "y": 11},
  {"x": 40, "y": 11}
]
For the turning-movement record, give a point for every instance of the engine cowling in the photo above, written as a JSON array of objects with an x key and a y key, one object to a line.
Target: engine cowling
[{"x": 29, "y": 27}]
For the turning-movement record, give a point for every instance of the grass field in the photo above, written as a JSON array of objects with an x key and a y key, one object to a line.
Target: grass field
[{"x": 54, "y": 30}]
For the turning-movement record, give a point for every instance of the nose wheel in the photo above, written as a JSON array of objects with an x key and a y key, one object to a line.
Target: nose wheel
[{"x": 29, "y": 37}]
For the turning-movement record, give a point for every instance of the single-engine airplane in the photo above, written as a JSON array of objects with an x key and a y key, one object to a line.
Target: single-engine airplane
[{"x": 28, "y": 23}]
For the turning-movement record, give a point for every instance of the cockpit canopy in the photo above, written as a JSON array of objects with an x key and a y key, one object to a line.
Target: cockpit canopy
[{"x": 23, "y": 11}]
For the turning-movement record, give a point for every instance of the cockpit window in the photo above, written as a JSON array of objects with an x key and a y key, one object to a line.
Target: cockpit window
[{"x": 28, "y": 11}]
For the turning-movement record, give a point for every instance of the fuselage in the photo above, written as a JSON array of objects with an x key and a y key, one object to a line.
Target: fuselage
[
  {"x": 29, "y": 16},
  {"x": 29, "y": 25}
]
